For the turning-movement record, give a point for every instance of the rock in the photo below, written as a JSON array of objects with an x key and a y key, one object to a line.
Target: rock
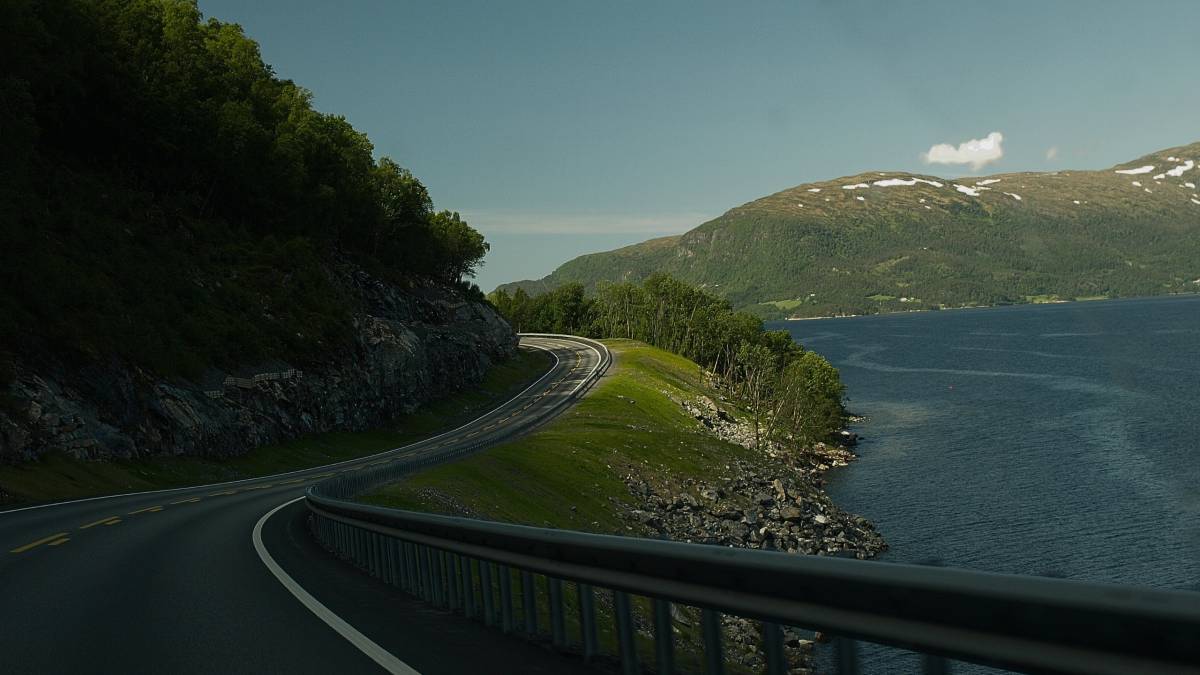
[
  {"x": 820, "y": 519},
  {"x": 791, "y": 513},
  {"x": 729, "y": 513},
  {"x": 780, "y": 491},
  {"x": 409, "y": 346}
]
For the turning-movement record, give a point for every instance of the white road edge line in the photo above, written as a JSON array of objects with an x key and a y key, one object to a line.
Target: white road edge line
[
  {"x": 364, "y": 644},
  {"x": 313, "y": 468}
]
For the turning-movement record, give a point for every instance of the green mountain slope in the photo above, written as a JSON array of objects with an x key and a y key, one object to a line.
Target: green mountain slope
[{"x": 890, "y": 241}]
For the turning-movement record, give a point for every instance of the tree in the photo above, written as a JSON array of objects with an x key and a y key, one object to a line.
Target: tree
[{"x": 461, "y": 248}]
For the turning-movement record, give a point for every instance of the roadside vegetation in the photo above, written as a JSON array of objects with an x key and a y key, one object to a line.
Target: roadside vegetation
[{"x": 57, "y": 477}]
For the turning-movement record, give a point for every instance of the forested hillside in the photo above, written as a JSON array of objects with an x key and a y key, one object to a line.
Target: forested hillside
[
  {"x": 194, "y": 260},
  {"x": 893, "y": 241},
  {"x": 166, "y": 199},
  {"x": 794, "y": 396}
]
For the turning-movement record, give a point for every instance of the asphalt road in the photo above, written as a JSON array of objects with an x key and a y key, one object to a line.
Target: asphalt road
[{"x": 171, "y": 582}]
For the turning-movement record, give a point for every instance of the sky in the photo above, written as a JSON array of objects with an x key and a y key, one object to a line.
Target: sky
[{"x": 565, "y": 127}]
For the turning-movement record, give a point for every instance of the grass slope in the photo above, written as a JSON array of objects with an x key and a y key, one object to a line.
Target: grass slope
[
  {"x": 628, "y": 423},
  {"x": 820, "y": 248},
  {"x": 59, "y": 477}
]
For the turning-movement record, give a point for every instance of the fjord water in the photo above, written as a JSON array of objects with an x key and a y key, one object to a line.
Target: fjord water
[
  {"x": 1037, "y": 439},
  {"x": 1055, "y": 440}
]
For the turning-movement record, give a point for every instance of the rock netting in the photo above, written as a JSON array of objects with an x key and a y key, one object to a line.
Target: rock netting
[{"x": 410, "y": 346}]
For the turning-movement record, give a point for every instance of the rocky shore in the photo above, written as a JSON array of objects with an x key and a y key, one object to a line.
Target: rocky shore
[
  {"x": 410, "y": 346},
  {"x": 775, "y": 502}
]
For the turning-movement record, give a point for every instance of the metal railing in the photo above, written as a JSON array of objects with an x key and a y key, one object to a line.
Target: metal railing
[{"x": 518, "y": 578}]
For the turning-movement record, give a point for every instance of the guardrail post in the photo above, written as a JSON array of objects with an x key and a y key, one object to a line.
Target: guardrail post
[
  {"x": 390, "y": 560},
  {"x": 381, "y": 557},
  {"x": 587, "y": 619},
  {"x": 529, "y": 603},
  {"x": 414, "y": 570},
  {"x": 558, "y": 628},
  {"x": 435, "y": 576},
  {"x": 623, "y": 611},
  {"x": 934, "y": 665},
  {"x": 714, "y": 656},
  {"x": 468, "y": 589},
  {"x": 439, "y": 564},
  {"x": 423, "y": 576},
  {"x": 772, "y": 636},
  {"x": 847, "y": 656},
  {"x": 506, "y": 600},
  {"x": 664, "y": 637},
  {"x": 451, "y": 567},
  {"x": 485, "y": 589}
]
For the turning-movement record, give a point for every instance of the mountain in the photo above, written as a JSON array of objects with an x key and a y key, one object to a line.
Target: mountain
[{"x": 890, "y": 241}]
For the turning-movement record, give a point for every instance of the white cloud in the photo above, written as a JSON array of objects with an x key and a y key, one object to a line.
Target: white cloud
[
  {"x": 508, "y": 222},
  {"x": 976, "y": 152},
  {"x": 1052, "y": 152}
]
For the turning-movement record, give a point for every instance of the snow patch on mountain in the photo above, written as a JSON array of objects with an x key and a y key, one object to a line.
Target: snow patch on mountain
[
  {"x": 895, "y": 182},
  {"x": 1178, "y": 171}
]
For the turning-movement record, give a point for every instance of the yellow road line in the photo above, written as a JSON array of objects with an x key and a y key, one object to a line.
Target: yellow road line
[
  {"x": 224, "y": 492},
  {"x": 148, "y": 509},
  {"x": 39, "y": 542},
  {"x": 289, "y": 482},
  {"x": 111, "y": 520},
  {"x": 57, "y": 542},
  {"x": 187, "y": 501}
]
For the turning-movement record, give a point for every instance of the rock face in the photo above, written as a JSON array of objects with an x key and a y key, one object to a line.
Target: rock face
[{"x": 410, "y": 346}]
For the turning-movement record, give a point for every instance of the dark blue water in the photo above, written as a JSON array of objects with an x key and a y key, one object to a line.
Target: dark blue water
[{"x": 1045, "y": 439}]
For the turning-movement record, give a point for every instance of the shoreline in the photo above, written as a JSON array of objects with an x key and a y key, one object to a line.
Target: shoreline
[{"x": 1011, "y": 304}]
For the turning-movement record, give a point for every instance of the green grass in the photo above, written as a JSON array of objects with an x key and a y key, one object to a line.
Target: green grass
[
  {"x": 628, "y": 423},
  {"x": 786, "y": 305},
  {"x": 57, "y": 476}
]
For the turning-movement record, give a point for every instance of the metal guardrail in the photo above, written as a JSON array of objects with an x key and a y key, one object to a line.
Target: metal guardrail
[{"x": 1022, "y": 623}]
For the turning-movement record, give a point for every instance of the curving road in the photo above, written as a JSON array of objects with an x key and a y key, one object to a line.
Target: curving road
[{"x": 174, "y": 582}]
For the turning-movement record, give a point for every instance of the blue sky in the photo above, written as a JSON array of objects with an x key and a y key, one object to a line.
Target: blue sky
[{"x": 559, "y": 128}]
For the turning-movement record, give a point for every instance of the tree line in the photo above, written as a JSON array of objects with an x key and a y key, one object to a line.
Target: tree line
[
  {"x": 793, "y": 395},
  {"x": 166, "y": 197}
]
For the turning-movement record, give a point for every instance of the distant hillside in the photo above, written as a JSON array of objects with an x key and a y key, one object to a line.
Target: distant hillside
[{"x": 890, "y": 241}]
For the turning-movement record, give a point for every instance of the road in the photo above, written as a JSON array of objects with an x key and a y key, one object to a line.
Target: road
[{"x": 171, "y": 581}]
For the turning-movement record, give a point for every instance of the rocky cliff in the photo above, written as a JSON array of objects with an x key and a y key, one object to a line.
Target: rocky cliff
[{"x": 410, "y": 346}]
